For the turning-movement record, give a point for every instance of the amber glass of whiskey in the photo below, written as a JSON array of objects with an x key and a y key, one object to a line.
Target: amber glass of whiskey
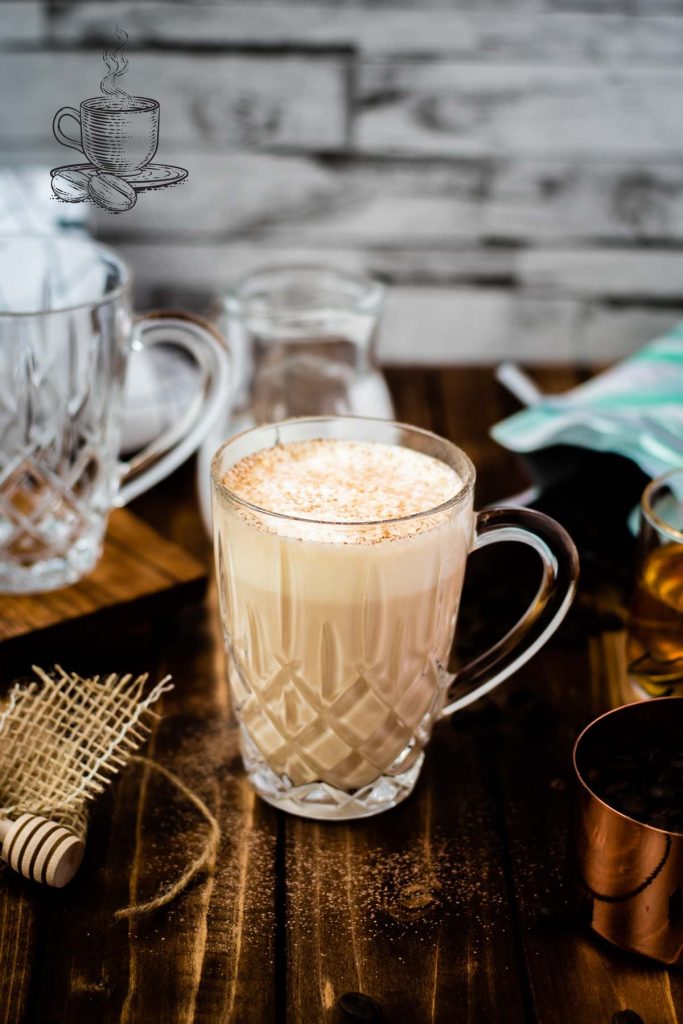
[{"x": 655, "y": 625}]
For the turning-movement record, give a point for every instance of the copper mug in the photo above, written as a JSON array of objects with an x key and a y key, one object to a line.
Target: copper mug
[{"x": 630, "y": 874}]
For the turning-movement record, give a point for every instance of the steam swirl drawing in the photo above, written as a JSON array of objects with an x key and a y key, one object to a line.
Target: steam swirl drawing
[
  {"x": 119, "y": 134},
  {"x": 117, "y": 65}
]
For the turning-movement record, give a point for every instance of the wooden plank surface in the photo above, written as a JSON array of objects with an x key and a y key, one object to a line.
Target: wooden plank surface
[
  {"x": 249, "y": 101},
  {"x": 452, "y": 907},
  {"x": 387, "y": 28},
  {"x": 478, "y": 110},
  {"x": 137, "y": 563},
  {"x": 390, "y": 206},
  {"x": 461, "y": 323},
  {"x": 381, "y": 908},
  {"x": 436, "y": 144},
  {"x": 23, "y": 21}
]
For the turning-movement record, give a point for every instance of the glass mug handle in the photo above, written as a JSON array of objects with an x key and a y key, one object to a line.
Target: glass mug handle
[
  {"x": 174, "y": 445},
  {"x": 560, "y": 563},
  {"x": 60, "y": 135}
]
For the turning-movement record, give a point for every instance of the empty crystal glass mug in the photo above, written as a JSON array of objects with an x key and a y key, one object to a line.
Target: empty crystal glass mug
[
  {"x": 338, "y": 633},
  {"x": 66, "y": 334}
]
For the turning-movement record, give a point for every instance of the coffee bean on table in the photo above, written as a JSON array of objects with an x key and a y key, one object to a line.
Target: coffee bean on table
[
  {"x": 70, "y": 185},
  {"x": 357, "y": 1007},
  {"x": 627, "y": 1017},
  {"x": 112, "y": 193}
]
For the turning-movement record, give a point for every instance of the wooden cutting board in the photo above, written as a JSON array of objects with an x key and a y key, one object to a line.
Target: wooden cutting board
[{"x": 137, "y": 564}]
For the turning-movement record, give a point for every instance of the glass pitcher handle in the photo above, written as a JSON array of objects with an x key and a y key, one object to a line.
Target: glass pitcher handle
[{"x": 560, "y": 565}]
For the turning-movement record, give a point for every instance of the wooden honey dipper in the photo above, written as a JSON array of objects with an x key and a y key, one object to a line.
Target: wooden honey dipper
[
  {"x": 105, "y": 720},
  {"x": 41, "y": 850}
]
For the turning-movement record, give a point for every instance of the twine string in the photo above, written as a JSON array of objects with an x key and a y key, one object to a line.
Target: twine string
[
  {"x": 63, "y": 740},
  {"x": 206, "y": 859}
]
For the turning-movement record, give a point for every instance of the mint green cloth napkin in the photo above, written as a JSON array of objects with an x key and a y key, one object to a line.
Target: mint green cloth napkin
[{"x": 634, "y": 409}]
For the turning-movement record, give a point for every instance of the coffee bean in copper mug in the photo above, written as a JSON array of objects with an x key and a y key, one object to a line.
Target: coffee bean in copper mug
[{"x": 644, "y": 781}]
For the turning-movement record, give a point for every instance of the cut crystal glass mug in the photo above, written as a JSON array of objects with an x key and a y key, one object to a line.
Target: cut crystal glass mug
[
  {"x": 66, "y": 333},
  {"x": 338, "y": 639}
]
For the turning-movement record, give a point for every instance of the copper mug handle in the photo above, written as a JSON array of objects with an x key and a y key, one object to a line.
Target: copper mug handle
[{"x": 560, "y": 564}]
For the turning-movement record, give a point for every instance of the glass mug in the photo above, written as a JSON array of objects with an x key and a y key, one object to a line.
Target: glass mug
[
  {"x": 338, "y": 638},
  {"x": 66, "y": 332},
  {"x": 654, "y": 639}
]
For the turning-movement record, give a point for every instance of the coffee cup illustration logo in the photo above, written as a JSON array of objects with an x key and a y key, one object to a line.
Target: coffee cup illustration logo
[{"x": 119, "y": 135}]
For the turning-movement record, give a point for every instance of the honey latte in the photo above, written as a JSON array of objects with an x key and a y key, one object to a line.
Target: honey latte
[{"x": 339, "y": 612}]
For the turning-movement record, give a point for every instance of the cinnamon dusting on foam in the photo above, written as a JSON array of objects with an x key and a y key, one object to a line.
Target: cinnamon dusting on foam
[{"x": 342, "y": 482}]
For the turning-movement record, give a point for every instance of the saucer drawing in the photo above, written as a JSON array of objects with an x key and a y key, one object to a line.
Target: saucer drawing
[
  {"x": 114, "y": 128},
  {"x": 151, "y": 176}
]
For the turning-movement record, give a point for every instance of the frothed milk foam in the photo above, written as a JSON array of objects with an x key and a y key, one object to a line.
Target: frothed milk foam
[{"x": 340, "y": 630}]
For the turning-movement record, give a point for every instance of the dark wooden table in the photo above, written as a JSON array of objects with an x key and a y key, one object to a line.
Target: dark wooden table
[{"x": 453, "y": 907}]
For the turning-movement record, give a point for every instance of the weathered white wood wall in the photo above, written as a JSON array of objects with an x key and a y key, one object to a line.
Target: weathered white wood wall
[{"x": 514, "y": 171}]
